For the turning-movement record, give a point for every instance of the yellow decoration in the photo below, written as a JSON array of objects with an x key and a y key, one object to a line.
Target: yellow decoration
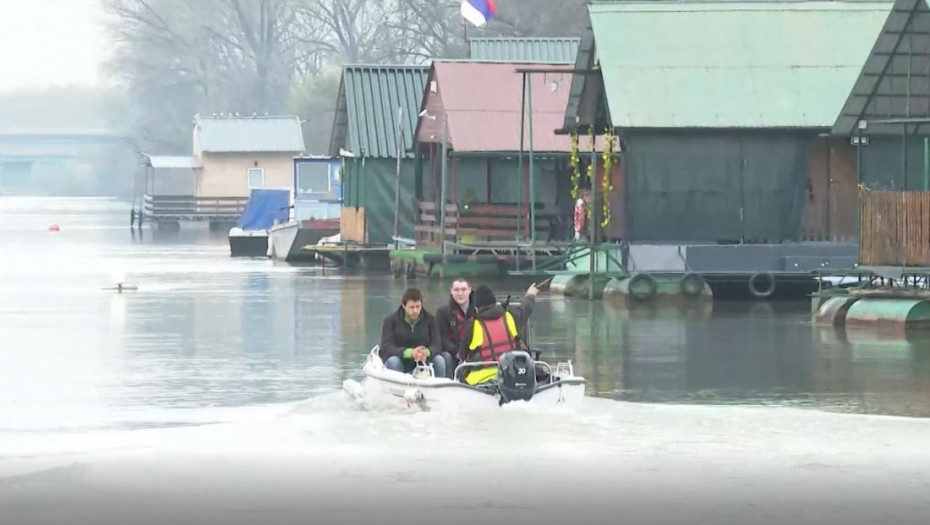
[
  {"x": 576, "y": 174},
  {"x": 606, "y": 187},
  {"x": 589, "y": 209}
]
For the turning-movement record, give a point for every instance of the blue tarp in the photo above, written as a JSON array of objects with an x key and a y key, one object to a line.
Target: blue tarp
[{"x": 264, "y": 207}]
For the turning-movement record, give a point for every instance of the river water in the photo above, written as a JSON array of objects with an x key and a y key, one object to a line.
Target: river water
[{"x": 212, "y": 393}]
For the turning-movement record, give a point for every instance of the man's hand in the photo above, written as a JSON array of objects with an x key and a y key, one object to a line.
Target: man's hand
[
  {"x": 532, "y": 290},
  {"x": 419, "y": 354}
]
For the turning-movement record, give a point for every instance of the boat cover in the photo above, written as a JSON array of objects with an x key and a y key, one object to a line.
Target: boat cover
[{"x": 263, "y": 208}]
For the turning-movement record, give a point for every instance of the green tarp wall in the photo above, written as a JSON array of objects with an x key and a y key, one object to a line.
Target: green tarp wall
[
  {"x": 369, "y": 183},
  {"x": 691, "y": 186}
]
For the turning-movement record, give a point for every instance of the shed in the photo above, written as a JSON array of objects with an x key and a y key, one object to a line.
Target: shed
[
  {"x": 479, "y": 102},
  {"x": 376, "y": 112},
  {"x": 723, "y": 109}
]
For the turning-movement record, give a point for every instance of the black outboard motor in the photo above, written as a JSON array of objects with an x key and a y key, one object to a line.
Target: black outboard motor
[{"x": 516, "y": 376}]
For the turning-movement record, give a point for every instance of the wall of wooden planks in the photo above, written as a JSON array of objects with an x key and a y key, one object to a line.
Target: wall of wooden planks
[{"x": 895, "y": 228}]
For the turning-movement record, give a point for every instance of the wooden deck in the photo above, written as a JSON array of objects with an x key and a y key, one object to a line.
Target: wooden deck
[{"x": 187, "y": 208}]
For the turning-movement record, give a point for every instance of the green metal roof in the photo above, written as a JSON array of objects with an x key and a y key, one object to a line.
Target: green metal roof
[
  {"x": 366, "y": 110},
  {"x": 536, "y": 50},
  {"x": 887, "y": 86},
  {"x": 732, "y": 64}
]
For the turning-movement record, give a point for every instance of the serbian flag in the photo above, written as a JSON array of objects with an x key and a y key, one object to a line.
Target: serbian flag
[{"x": 478, "y": 12}]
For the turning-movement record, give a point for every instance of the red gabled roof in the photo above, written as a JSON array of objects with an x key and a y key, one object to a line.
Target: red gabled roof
[{"x": 482, "y": 104}]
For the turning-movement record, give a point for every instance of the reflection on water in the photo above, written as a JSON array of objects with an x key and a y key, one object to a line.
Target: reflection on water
[{"x": 205, "y": 330}]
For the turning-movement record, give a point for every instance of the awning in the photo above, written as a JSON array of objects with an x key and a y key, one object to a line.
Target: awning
[{"x": 169, "y": 161}]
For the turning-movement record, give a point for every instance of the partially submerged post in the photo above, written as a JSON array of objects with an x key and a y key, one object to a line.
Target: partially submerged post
[
  {"x": 592, "y": 263},
  {"x": 532, "y": 200},
  {"x": 442, "y": 197},
  {"x": 520, "y": 164},
  {"x": 400, "y": 152}
]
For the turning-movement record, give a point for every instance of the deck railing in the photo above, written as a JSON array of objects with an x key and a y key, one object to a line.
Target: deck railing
[
  {"x": 481, "y": 222},
  {"x": 190, "y": 208}
]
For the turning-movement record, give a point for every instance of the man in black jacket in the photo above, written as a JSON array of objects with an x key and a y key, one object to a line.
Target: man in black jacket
[
  {"x": 453, "y": 317},
  {"x": 410, "y": 335}
]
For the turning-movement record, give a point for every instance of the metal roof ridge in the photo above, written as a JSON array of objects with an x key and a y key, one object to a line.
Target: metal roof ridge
[
  {"x": 524, "y": 38},
  {"x": 385, "y": 66},
  {"x": 737, "y": 6}
]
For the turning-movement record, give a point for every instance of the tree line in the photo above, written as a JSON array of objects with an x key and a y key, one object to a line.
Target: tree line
[{"x": 176, "y": 58}]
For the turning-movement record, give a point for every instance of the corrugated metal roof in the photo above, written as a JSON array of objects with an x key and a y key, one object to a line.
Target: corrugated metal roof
[
  {"x": 539, "y": 50},
  {"x": 227, "y": 134},
  {"x": 882, "y": 90},
  {"x": 171, "y": 161},
  {"x": 732, "y": 64},
  {"x": 366, "y": 113},
  {"x": 481, "y": 123}
]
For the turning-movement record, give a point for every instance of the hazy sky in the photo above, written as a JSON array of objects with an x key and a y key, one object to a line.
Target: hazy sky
[{"x": 50, "y": 42}]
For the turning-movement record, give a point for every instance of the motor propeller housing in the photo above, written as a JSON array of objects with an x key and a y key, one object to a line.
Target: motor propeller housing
[{"x": 517, "y": 376}]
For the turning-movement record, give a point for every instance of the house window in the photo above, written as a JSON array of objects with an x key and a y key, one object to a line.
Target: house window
[
  {"x": 256, "y": 178},
  {"x": 313, "y": 177}
]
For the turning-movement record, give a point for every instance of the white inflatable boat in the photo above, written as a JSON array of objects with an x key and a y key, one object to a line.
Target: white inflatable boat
[{"x": 520, "y": 378}]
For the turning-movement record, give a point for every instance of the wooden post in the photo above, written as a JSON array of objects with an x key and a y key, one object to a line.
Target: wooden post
[
  {"x": 926, "y": 165},
  {"x": 829, "y": 187},
  {"x": 859, "y": 125},
  {"x": 442, "y": 198},
  {"x": 400, "y": 148},
  {"x": 904, "y": 155},
  {"x": 520, "y": 169},
  {"x": 532, "y": 200},
  {"x": 592, "y": 262}
]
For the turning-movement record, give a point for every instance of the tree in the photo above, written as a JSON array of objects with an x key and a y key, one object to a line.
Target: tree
[
  {"x": 432, "y": 29},
  {"x": 314, "y": 99},
  {"x": 565, "y": 18},
  {"x": 179, "y": 58},
  {"x": 354, "y": 31}
]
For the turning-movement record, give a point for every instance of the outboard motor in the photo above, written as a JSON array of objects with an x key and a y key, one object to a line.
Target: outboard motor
[{"x": 516, "y": 376}]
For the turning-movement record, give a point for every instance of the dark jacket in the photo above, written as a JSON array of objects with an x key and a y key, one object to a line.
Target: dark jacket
[
  {"x": 397, "y": 335},
  {"x": 521, "y": 315},
  {"x": 449, "y": 327}
]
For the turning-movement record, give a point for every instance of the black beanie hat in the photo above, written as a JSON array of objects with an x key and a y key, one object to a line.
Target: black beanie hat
[{"x": 484, "y": 297}]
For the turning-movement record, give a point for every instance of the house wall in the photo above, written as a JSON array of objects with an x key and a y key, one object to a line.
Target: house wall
[
  {"x": 226, "y": 174},
  {"x": 831, "y": 198},
  {"x": 493, "y": 180},
  {"x": 496, "y": 180},
  {"x": 883, "y": 164},
  {"x": 716, "y": 186},
  {"x": 430, "y": 129}
]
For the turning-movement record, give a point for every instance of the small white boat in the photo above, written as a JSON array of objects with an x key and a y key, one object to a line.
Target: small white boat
[{"x": 517, "y": 381}]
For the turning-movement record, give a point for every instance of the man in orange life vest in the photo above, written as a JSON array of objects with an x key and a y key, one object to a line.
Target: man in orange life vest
[
  {"x": 453, "y": 317},
  {"x": 493, "y": 332}
]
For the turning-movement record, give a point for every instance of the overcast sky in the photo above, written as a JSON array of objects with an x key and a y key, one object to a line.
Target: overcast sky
[{"x": 50, "y": 42}]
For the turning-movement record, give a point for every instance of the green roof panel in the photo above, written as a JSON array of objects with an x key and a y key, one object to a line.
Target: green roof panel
[
  {"x": 372, "y": 96},
  {"x": 732, "y": 64},
  {"x": 527, "y": 50}
]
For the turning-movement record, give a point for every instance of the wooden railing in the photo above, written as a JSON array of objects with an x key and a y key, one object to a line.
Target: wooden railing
[
  {"x": 187, "y": 207},
  {"x": 480, "y": 222},
  {"x": 895, "y": 228}
]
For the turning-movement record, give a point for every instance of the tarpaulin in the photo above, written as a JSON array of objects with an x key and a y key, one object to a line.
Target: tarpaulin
[{"x": 264, "y": 207}]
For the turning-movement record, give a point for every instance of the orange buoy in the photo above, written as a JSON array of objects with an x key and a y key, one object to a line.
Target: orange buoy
[{"x": 53, "y": 228}]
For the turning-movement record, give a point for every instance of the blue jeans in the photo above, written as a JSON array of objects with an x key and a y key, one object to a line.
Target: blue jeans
[{"x": 407, "y": 365}]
